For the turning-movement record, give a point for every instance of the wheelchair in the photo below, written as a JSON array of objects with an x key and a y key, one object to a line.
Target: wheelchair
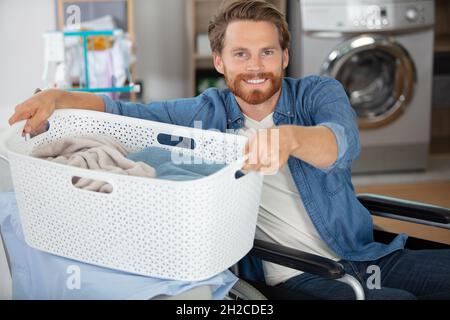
[{"x": 251, "y": 284}]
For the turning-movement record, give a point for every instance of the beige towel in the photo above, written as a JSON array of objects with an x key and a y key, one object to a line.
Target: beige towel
[{"x": 96, "y": 152}]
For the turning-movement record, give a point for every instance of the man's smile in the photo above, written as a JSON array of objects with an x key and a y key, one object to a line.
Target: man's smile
[{"x": 257, "y": 81}]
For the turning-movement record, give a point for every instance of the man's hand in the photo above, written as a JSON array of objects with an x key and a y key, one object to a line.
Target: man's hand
[
  {"x": 37, "y": 109},
  {"x": 268, "y": 149}
]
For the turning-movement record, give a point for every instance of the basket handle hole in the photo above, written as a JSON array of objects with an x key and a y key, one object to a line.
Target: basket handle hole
[
  {"x": 239, "y": 174},
  {"x": 176, "y": 141},
  {"x": 44, "y": 127},
  {"x": 92, "y": 185}
]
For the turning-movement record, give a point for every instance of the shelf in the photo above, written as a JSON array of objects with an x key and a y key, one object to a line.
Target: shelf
[
  {"x": 442, "y": 43},
  {"x": 204, "y": 61},
  {"x": 85, "y": 33},
  {"x": 132, "y": 88},
  {"x": 123, "y": 13}
]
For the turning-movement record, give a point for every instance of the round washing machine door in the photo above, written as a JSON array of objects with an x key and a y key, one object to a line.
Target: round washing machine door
[{"x": 377, "y": 74}]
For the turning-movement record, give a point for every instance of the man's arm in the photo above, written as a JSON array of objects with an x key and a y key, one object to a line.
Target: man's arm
[
  {"x": 329, "y": 142},
  {"x": 315, "y": 145},
  {"x": 79, "y": 100},
  {"x": 269, "y": 149},
  {"x": 37, "y": 109}
]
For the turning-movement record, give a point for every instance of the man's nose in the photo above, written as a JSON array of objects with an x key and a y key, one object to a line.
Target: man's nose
[{"x": 255, "y": 64}]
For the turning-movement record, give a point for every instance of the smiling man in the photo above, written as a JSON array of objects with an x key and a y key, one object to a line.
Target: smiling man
[{"x": 305, "y": 137}]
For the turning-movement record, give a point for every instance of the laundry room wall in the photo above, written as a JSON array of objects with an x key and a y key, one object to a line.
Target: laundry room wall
[
  {"x": 161, "y": 49},
  {"x": 22, "y": 50}
]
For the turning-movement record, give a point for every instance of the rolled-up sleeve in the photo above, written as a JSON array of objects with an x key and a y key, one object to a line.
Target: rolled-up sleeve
[
  {"x": 110, "y": 106},
  {"x": 341, "y": 141},
  {"x": 177, "y": 111},
  {"x": 331, "y": 108},
  {"x": 156, "y": 111}
]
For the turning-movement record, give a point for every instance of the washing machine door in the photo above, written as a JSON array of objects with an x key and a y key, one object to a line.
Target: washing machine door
[{"x": 377, "y": 74}]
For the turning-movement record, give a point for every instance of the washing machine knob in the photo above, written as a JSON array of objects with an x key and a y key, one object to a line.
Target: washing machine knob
[{"x": 412, "y": 14}]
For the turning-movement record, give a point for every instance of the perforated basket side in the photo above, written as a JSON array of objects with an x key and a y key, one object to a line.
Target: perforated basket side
[
  {"x": 137, "y": 134},
  {"x": 188, "y": 230}
]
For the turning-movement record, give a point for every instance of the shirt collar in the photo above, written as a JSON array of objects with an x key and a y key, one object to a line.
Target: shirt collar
[
  {"x": 285, "y": 104},
  {"x": 234, "y": 113}
]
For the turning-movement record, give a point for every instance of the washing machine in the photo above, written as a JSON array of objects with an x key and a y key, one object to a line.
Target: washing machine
[{"x": 382, "y": 53}]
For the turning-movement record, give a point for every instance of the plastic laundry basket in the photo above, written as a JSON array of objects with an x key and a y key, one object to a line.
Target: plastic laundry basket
[{"x": 183, "y": 230}]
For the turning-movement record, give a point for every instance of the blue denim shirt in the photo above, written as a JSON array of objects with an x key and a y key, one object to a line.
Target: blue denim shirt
[{"x": 327, "y": 193}]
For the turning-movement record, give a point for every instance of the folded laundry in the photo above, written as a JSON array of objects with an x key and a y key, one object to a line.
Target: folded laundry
[
  {"x": 162, "y": 161},
  {"x": 96, "y": 152},
  {"x": 100, "y": 152}
]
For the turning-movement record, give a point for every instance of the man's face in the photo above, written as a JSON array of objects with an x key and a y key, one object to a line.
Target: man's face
[{"x": 252, "y": 60}]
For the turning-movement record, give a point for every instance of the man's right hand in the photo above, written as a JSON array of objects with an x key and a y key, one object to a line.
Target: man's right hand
[{"x": 36, "y": 110}]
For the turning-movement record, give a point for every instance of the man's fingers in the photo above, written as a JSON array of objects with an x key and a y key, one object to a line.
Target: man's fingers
[
  {"x": 252, "y": 150},
  {"x": 251, "y": 167},
  {"x": 246, "y": 148},
  {"x": 35, "y": 122},
  {"x": 21, "y": 113}
]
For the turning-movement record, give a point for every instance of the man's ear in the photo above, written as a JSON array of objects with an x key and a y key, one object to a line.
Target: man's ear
[
  {"x": 285, "y": 58},
  {"x": 218, "y": 63}
]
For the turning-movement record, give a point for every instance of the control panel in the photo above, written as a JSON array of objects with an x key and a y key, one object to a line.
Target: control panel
[{"x": 366, "y": 15}]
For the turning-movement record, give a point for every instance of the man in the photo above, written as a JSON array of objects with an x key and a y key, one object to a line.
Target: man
[{"x": 308, "y": 201}]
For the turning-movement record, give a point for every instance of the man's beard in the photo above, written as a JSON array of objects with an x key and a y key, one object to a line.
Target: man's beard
[{"x": 255, "y": 96}]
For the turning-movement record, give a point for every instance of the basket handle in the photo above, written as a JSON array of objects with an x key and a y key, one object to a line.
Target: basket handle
[
  {"x": 180, "y": 132},
  {"x": 237, "y": 170},
  {"x": 71, "y": 172},
  {"x": 176, "y": 143},
  {"x": 4, "y": 156},
  {"x": 3, "y": 153},
  {"x": 16, "y": 128}
]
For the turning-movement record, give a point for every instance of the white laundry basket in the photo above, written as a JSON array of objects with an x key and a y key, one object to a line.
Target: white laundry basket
[{"x": 183, "y": 230}]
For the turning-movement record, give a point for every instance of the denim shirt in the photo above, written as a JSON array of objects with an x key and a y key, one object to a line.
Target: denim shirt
[{"x": 327, "y": 193}]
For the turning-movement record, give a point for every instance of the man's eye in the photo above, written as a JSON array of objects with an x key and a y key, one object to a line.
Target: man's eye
[
  {"x": 240, "y": 54},
  {"x": 268, "y": 52}
]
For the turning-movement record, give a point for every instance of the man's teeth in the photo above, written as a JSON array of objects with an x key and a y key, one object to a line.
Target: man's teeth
[{"x": 256, "y": 81}]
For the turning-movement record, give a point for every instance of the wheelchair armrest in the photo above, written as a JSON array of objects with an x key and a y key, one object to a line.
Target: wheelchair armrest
[
  {"x": 393, "y": 207},
  {"x": 297, "y": 259}
]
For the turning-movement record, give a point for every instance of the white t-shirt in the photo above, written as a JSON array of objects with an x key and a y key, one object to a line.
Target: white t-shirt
[{"x": 283, "y": 218}]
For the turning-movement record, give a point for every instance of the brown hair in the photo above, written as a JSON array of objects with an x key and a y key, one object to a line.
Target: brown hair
[{"x": 255, "y": 10}]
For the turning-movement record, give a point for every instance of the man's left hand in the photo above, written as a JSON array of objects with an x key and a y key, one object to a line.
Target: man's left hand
[{"x": 268, "y": 149}]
